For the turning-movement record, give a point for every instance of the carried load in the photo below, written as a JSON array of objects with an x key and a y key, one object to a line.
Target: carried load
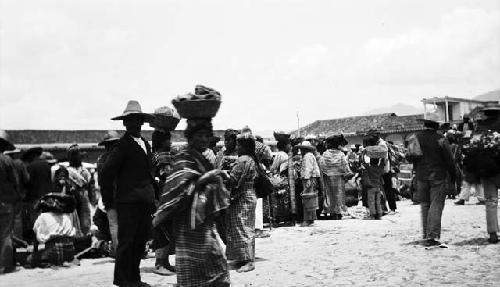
[
  {"x": 377, "y": 151},
  {"x": 165, "y": 118},
  {"x": 204, "y": 103}
]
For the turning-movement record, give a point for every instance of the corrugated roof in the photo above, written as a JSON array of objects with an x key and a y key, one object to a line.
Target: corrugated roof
[{"x": 386, "y": 123}]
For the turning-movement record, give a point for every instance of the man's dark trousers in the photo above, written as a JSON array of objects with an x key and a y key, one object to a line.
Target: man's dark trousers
[{"x": 134, "y": 227}]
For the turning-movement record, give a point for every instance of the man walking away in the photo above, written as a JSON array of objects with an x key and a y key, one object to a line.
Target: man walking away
[{"x": 432, "y": 169}]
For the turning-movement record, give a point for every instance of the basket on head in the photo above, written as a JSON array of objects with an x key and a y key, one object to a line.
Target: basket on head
[
  {"x": 377, "y": 151},
  {"x": 165, "y": 118},
  {"x": 281, "y": 136},
  {"x": 190, "y": 109}
]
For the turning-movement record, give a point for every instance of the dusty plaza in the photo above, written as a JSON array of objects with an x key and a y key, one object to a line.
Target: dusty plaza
[{"x": 349, "y": 252}]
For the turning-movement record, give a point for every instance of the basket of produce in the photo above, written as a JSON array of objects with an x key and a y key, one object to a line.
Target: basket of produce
[
  {"x": 377, "y": 151},
  {"x": 204, "y": 103},
  {"x": 165, "y": 118},
  {"x": 281, "y": 136}
]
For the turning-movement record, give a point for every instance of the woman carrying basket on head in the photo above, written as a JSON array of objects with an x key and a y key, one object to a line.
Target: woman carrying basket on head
[{"x": 192, "y": 197}]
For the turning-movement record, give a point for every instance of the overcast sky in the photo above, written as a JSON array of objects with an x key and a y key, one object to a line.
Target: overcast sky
[{"x": 75, "y": 64}]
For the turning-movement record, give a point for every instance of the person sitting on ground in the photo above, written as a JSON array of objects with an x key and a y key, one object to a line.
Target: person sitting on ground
[{"x": 54, "y": 227}]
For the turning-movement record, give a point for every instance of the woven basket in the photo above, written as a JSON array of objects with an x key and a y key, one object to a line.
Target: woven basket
[
  {"x": 279, "y": 136},
  {"x": 164, "y": 122},
  {"x": 197, "y": 108},
  {"x": 377, "y": 151}
]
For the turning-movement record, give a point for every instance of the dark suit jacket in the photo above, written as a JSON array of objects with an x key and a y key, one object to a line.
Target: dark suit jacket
[
  {"x": 40, "y": 182},
  {"x": 131, "y": 169},
  {"x": 437, "y": 161}
]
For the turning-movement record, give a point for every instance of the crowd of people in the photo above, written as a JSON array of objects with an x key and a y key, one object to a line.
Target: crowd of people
[{"x": 207, "y": 204}]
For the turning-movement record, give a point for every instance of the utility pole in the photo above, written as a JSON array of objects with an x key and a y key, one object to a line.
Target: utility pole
[{"x": 298, "y": 125}]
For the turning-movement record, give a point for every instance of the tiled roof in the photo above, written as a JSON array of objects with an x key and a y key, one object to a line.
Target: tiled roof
[
  {"x": 385, "y": 123},
  {"x": 77, "y": 136}
]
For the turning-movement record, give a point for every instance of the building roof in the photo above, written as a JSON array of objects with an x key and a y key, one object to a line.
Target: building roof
[
  {"x": 450, "y": 99},
  {"x": 64, "y": 137},
  {"x": 350, "y": 126}
]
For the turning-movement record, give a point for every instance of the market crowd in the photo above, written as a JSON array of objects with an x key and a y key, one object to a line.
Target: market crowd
[{"x": 206, "y": 203}]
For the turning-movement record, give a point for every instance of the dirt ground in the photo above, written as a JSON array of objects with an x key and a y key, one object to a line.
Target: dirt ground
[{"x": 335, "y": 253}]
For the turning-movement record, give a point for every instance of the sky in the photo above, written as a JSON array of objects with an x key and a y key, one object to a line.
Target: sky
[{"x": 75, "y": 64}]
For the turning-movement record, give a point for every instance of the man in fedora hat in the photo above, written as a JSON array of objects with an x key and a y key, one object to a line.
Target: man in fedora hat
[
  {"x": 432, "y": 169},
  {"x": 9, "y": 196},
  {"x": 128, "y": 171}
]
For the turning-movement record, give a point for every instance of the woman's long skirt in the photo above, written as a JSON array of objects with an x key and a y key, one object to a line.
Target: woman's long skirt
[
  {"x": 199, "y": 260},
  {"x": 241, "y": 227},
  {"x": 335, "y": 194}
]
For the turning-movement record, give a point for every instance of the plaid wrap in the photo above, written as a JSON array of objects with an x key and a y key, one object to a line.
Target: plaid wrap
[
  {"x": 58, "y": 250},
  {"x": 199, "y": 259},
  {"x": 241, "y": 227},
  {"x": 241, "y": 212},
  {"x": 335, "y": 194}
]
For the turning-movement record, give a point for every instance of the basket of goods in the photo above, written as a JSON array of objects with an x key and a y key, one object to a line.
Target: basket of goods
[
  {"x": 204, "y": 103},
  {"x": 165, "y": 118},
  {"x": 482, "y": 154},
  {"x": 281, "y": 136},
  {"x": 377, "y": 151}
]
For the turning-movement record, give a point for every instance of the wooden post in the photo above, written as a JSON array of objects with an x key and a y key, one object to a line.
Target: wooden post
[{"x": 291, "y": 182}]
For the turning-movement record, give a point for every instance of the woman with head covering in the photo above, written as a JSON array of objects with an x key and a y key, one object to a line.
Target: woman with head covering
[
  {"x": 310, "y": 174},
  {"x": 241, "y": 212},
  {"x": 227, "y": 156},
  {"x": 192, "y": 197},
  {"x": 335, "y": 168},
  {"x": 80, "y": 178},
  {"x": 163, "y": 239}
]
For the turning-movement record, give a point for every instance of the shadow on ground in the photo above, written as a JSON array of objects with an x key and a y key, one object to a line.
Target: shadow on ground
[{"x": 473, "y": 241}]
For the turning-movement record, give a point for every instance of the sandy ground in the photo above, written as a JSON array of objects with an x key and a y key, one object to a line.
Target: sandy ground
[{"x": 335, "y": 253}]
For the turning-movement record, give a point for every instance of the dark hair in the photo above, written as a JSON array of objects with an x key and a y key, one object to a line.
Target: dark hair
[
  {"x": 75, "y": 158},
  {"x": 248, "y": 145},
  {"x": 321, "y": 147},
  {"x": 195, "y": 125},
  {"x": 157, "y": 139},
  {"x": 281, "y": 145}
]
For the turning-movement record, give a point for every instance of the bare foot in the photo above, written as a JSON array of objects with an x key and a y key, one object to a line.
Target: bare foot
[{"x": 246, "y": 268}]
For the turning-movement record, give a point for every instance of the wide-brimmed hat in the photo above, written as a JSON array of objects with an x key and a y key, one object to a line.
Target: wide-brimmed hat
[
  {"x": 306, "y": 145},
  {"x": 49, "y": 157},
  {"x": 134, "y": 108},
  {"x": 111, "y": 136},
  {"x": 14, "y": 151},
  {"x": 5, "y": 144},
  {"x": 32, "y": 153}
]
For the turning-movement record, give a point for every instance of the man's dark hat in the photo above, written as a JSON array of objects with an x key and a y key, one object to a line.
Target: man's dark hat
[{"x": 111, "y": 136}]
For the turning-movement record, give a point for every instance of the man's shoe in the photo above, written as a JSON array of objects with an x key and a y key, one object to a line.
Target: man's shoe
[
  {"x": 493, "y": 238},
  {"x": 431, "y": 242},
  {"x": 480, "y": 202},
  {"x": 460, "y": 202}
]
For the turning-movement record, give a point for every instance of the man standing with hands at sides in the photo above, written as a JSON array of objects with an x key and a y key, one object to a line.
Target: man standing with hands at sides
[
  {"x": 129, "y": 166},
  {"x": 433, "y": 164}
]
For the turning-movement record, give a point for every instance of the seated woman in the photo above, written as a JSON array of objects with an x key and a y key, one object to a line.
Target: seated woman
[
  {"x": 241, "y": 212},
  {"x": 54, "y": 228}
]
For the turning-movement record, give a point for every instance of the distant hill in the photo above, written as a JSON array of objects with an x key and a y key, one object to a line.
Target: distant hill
[
  {"x": 399, "y": 109},
  {"x": 490, "y": 96}
]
